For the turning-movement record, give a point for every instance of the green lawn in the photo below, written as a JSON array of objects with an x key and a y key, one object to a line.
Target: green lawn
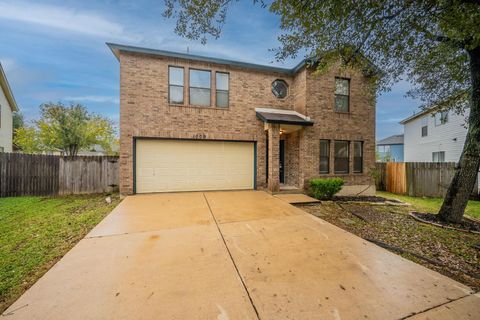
[
  {"x": 36, "y": 231},
  {"x": 431, "y": 204}
]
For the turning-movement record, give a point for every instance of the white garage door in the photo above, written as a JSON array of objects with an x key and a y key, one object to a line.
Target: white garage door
[{"x": 184, "y": 165}]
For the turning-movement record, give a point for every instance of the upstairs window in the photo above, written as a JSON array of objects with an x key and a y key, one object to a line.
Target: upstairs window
[
  {"x": 342, "y": 95},
  {"x": 324, "y": 156},
  {"x": 425, "y": 126},
  {"x": 341, "y": 162},
  {"x": 438, "y": 156},
  {"x": 441, "y": 118},
  {"x": 200, "y": 84},
  {"x": 280, "y": 89},
  {"x": 175, "y": 85},
  {"x": 222, "y": 85},
  {"x": 358, "y": 157}
]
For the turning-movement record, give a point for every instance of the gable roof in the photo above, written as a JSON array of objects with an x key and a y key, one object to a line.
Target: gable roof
[
  {"x": 7, "y": 90},
  {"x": 395, "y": 139},
  {"x": 116, "y": 48},
  {"x": 419, "y": 114}
]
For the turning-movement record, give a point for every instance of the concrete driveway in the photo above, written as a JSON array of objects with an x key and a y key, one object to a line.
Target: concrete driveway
[{"x": 234, "y": 255}]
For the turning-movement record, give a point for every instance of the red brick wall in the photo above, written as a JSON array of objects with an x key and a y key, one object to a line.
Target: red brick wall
[
  {"x": 145, "y": 112},
  {"x": 292, "y": 159},
  {"x": 358, "y": 124}
]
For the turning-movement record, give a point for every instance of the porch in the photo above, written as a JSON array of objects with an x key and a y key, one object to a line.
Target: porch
[{"x": 284, "y": 131}]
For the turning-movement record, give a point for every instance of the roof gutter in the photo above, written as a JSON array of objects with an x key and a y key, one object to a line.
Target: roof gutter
[
  {"x": 8, "y": 91},
  {"x": 117, "y": 48},
  {"x": 416, "y": 115}
]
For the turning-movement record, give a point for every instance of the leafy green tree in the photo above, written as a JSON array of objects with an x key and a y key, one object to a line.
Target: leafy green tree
[
  {"x": 384, "y": 156},
  {"x": 67, "y": 129},
  {"x": 26, "y": 139},
  {"x": 18, "y": 120},
  {"x": 435, "y": 44}
]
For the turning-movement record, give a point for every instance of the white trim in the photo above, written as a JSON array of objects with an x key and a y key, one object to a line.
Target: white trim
[{"x": 281, "y": 111}]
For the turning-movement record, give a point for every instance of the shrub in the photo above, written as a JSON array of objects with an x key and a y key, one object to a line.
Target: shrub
[{"x": 325, "y": 188}]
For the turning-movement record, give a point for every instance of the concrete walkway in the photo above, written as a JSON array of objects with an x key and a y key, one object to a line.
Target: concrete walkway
[
  {"x": 234, "y": 255},
  {"x": 296, "y": 198}
]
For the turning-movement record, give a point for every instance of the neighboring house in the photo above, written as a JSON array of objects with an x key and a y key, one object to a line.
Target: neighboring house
[
  {"x": 434, "y": 136},
  {"x": 97, "y": 150},
  {"x": 7, "y": 107},
  {"x": 390, "y": 149},
  {"x": 190, "y": 122}
]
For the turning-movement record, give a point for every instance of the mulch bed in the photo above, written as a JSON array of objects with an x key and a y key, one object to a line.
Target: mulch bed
[
  {"x": 450, "y": 252},
  {"x": 467, "y": 225},
  {"x": 363, "y": 199}
]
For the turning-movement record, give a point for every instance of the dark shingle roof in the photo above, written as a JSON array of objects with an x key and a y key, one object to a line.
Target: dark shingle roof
[
  {"x": 395, "y": 139},
  {"x": 283, "y": 118},
  {"x": 269, "y": 115},
  {"x": 116, "y": 48}
]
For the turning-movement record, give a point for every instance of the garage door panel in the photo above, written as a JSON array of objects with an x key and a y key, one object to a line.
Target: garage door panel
[{"x": 180, "y": 165}]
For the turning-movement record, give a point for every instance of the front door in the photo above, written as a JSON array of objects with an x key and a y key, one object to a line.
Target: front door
[{"x": 282, "y": 161}]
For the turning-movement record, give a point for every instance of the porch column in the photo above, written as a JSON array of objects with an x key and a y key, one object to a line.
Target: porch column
[
  {"x": 302, "y": 154},
  {"x": 273, "y": 157}
]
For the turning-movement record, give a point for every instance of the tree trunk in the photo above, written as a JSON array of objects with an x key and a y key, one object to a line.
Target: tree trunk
[
  {"x": 466, "y": 172},
  {"x": 72, "y": 150}
]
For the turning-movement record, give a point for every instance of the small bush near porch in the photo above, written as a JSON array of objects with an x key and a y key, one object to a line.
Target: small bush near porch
[
  {"x": 35, "y": 232},
  {"x": 324, "y": 189}
]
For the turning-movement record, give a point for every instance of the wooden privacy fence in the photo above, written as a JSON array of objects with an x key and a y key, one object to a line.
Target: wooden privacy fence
[
  {"x": 396, "y": 177},
  {"x": 380, "y": 175},
  {"x": 28, "y": 174},
  {"x": 417, "y": 179},
  {"x": 429, "y": 179}
]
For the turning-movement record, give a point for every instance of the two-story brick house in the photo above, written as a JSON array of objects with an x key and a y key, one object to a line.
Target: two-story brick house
[{"x": 190, "y": 122}]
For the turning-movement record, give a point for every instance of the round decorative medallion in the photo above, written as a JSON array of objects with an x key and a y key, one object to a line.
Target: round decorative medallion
[{"x": 280, "y": 89}]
